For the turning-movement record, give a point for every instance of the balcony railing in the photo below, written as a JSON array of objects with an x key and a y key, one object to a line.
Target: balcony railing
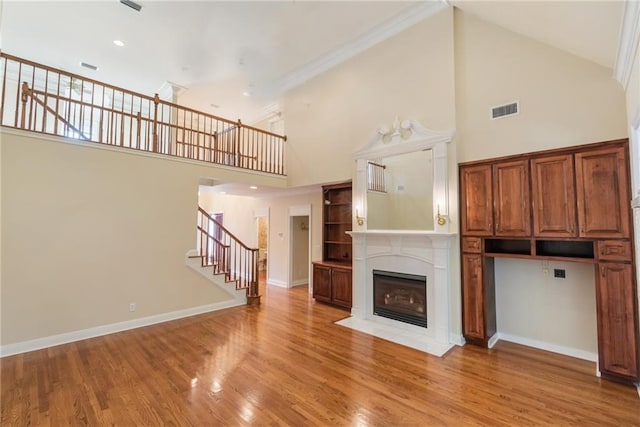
[{"x": 46, "y": 100}]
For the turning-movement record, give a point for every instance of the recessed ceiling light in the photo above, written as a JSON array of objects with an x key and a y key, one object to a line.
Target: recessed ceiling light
[
  {"x": 223, "y": 192},
  {"x": 246, "y": 93},
  {"x": 118, "y": 43},
  {"x": 253, "y": 187},
  {"x": 214, "y": 105}
]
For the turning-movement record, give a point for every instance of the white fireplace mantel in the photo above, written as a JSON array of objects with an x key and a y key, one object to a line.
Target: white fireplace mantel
[{"x": 425, "y": 253}]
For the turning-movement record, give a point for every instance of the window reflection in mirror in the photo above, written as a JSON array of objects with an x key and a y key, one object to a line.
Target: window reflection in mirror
[{"x": 400, "y": 192}]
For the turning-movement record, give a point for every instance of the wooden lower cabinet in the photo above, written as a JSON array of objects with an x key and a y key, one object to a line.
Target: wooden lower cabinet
[
  {"x": 322, "y": 282},
  {"x": 617, "y": 323},
  {"x": 478, "y": 298},
  {"x": 332, "y": 284}
]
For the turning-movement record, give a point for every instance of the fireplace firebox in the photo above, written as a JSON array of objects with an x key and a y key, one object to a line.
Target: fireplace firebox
[{"x": 400, "y": 296}]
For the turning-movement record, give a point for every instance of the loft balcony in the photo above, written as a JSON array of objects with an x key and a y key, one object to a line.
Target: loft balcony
[{"x": 38, "y": 98}]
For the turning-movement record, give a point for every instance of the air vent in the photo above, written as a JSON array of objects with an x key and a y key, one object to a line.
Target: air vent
[
  {"x": 505, "y": 110},
  {"x": 131, "y": 4},
  {"x": 89, "y": 66}
]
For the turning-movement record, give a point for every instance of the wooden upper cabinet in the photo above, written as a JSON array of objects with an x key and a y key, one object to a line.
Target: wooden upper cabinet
[
  {"x": 511, "y": 198},
  {"x": 554, "y": 196},
  {"x": 476, "y": 200},
  {"x": 603, "y": 193}
]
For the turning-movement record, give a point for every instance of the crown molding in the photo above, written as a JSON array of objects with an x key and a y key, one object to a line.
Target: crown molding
[
  {"x": 393, "y": 26},
  {"x": 628, "y": 43},
  {"x": 267, "y": 112}
]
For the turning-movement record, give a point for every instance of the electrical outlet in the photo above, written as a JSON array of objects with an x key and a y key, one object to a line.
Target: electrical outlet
[
  {"x": 545, "y": 271},
  {"x": 559, "y": 273},
  {"x": 132, "y": 306}
]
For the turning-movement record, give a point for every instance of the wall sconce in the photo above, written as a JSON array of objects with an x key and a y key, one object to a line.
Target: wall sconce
[
  {"x": 441, "y": 220},
  {"x": 359, "y": 219}
]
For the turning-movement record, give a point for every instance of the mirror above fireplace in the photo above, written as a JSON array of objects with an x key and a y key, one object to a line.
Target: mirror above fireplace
[{"x": 401, "y": 179}]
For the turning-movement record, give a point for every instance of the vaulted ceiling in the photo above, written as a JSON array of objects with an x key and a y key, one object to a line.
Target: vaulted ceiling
[{"x": 262, "y": 48}]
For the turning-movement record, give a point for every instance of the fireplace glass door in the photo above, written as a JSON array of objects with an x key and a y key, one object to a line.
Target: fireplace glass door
[{"x": 400, "y": 296}]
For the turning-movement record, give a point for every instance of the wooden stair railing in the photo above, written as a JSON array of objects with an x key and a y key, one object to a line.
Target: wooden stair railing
[
  {"x": 226, "y": 254},
  {"x": 43, "y": 99}
]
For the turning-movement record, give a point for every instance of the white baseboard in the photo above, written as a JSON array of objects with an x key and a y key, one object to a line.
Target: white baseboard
[
  {"x": 567, "y": 351},
  {"x": 300, "y": 282},
  {"x": 493, "y": 340},
  {"x": 278, "y": 283},
  {"x": 53, "y": 340},
  {"x": 457, "y": 339}
]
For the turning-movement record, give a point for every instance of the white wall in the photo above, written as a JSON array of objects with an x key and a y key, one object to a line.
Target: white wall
[
  {"x": 564, "y": 101},
  {"x": 88, "y": 231},
  {"x": 409, "y": 75},
  {"x": 539, "y": 307}
]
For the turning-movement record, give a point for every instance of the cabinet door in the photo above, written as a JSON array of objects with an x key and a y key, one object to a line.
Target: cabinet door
[
  {"x": 473, "y": 297},
  {"x": 511, "y": 198},
  {"x": 341, "y": 286},
  {"x": 321, "y": 283},
  {"x": 617, "y": 333},
  {"x": 603, "y": 193},
  {"x": 554, "y": 196},
  {"x": 476, "y": 200}
]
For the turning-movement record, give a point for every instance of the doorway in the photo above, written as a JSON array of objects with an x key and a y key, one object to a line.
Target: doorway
[
  {"x": 299, "y": 245},
  {"x": 262, "y": 239}
]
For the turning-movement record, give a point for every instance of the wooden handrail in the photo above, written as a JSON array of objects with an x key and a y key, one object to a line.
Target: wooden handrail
[
  {"x": 34, "y": 96},
  {"x": 237, "y": 261},
  {"x": 206, "y": 215},
  {"x": 106, "y": 114},
  {"x": 206, "y": 233}
]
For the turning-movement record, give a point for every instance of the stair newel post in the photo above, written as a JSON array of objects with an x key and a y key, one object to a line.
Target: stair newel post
[
  {"x": 156, "y": 101},
  {"x": 253, "y": 297},
  {"x": 24, "y": 98}
]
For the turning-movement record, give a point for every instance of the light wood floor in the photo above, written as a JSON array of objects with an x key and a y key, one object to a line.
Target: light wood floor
[{"x": 286, "y": 363}]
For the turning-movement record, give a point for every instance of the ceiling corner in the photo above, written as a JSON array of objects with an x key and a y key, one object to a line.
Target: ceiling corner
[{"x": 393, "y": 26}]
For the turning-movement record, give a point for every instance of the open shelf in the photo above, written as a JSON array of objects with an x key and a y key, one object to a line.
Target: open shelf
[
  {"x": 558, "y": 250},
  {"x": 565, "y": 248},
  {"x": 508, "y": 246}
]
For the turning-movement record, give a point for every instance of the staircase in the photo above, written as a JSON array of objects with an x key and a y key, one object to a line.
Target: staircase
[
  {"x": 42, "y": 99},
  {"x": 224, "y": 255}
]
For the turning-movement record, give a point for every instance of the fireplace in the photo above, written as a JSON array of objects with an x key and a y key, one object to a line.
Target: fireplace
[
  {"x": 406, "y": 255},
  {"x": 400, "y": 296}
]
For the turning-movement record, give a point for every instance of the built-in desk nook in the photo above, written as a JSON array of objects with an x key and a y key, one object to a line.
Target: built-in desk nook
[{"x": 567, "y": 205}]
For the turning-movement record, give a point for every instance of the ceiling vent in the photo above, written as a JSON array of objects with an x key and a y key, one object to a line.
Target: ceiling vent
[
  {"x": 89, "y": 66},
  {"x": 131, "y": 4},
  {"x": 505, "y": 110}
]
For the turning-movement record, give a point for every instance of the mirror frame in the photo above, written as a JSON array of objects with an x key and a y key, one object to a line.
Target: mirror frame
[{"x": 405, "y": 137}]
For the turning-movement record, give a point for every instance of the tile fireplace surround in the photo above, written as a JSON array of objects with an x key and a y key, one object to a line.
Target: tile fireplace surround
[{"x": 425, "y": 253}]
